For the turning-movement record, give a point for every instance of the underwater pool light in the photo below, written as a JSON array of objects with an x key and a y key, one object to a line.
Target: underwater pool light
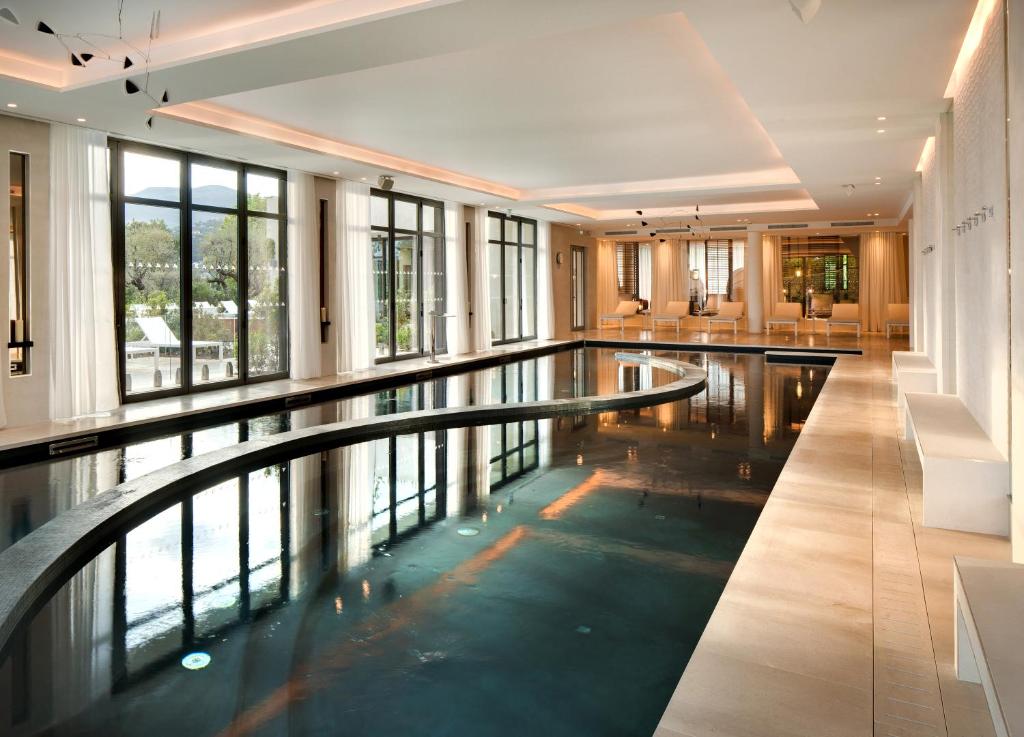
[{"x": 196, "y": 661}]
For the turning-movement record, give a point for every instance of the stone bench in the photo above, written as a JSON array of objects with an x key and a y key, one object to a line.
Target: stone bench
[
  {"x": 965, "y": 479},
  {"x": 913, "y": 372},
  {"x": 989, "y": 600}
]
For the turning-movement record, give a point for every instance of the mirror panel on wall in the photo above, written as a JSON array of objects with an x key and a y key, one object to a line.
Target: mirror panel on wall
[{"x": 19, "y": 344}]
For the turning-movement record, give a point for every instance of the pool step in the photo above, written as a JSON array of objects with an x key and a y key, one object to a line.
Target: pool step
[{"x": 801, "y": 357}]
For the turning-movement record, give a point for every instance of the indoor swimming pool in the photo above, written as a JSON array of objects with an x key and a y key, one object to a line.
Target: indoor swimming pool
[{"x": 541, "y": 576}]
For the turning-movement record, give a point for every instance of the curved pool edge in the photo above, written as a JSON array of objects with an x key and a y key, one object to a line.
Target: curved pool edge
[{"x": 37, "y": 565}]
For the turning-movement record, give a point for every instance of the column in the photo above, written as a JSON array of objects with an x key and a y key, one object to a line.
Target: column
[{"x": 754, "y": 265}]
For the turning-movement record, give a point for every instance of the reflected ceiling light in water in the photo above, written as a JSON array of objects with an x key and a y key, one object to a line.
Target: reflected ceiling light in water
[
  {"x": 579, "y": 460},
  {"x": 499, "y": 509},
  {"x": 468, "y": 531},
  {"x": 195, "y": 661},
  {"x": 339, "y": 605},
  {"x": 483, "y": 517},
  {"x": 366, "y": 590},
  {"x": 799, "y": 390},
  {"x": 743, "y": 470}
]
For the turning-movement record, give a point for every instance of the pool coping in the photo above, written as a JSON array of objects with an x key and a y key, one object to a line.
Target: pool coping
[{"x": 36, "y": 566}]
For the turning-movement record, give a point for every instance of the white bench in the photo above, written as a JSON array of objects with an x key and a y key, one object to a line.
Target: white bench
[
  {"x": 965, "y": 479},
  {"x": 989, "y": 599},
  {"x": 913, "y": 372}
]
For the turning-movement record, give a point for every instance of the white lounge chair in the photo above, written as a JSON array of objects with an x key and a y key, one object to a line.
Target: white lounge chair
[
  {"x": 625, "y": 309},
  {"x": 158, "y": 335},
  {"x": 843, "y": 314},
  {"x": 896, "y": 316},
  {"x": 675, "y": 313},
  {"x": 729, "y": 313},
  {"x": 787, "y": 313}
]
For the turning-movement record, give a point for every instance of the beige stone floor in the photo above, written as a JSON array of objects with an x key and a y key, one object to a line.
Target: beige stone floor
[{"x": 838, "y": 618}]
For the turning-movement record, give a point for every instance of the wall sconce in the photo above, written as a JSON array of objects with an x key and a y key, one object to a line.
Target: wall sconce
[{"x": 927, "y": 250}]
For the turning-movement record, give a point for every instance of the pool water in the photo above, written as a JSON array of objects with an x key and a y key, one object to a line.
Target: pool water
[{"x": 541, "y": 577}]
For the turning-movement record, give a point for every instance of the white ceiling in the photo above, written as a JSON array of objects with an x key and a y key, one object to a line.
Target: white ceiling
[{"x": 599, "y": 104}]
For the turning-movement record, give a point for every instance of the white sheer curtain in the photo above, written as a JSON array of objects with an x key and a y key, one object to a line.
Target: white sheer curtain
[
  {"x": 607, "y": 280},
  {"x": 646, "y": 279},
  {"x": 480, "y": 292},
  {"x": 883, "y": 276},
  {"x": 83, "y": 364},
  {"x": 456, "y": 280},
  {"x": 303, "y": 277},
  {"x": 771, "y": 274},
  {"x": 545, "y": 285},
  {"x": 355, "y": 308}
]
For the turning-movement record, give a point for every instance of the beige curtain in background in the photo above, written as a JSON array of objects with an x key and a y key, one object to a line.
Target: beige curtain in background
[
  {"x": 883, "y": 276},
  {"x": 771, "y": 276},
  {"x": 607, "y": 284},
  {"x": 671, "y": 282}
]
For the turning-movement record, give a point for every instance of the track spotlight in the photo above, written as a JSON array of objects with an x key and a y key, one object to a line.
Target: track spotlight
[
  {"x": 8, "y": 15},
  {"x": 128, "y": 62},
  {"x": 643, "y": 223},
  {"x": 149, "y": 122},
  {"x": 86, "y": 57},
  {"x": 130, "y": 87},
  {"x": 661, "y": 240},
  {"x": 165, "y": 98},
  {"x": 653, "y": 233},
  {"x": 385, "y": 182},
  {"x": 640, "y": 213},
  {"x": 76, "y": 62},
  {"x": 43, "y": 28}
]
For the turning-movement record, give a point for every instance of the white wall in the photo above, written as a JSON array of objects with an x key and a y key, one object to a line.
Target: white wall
[
  {"x": 1015, "y": 98},
  {"x": 27, "y": 398}
]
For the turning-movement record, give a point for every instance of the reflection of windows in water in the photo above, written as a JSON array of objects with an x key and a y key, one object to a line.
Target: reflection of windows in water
[
  {"x": 514, "y": 444},
  {"x": 408, "y": 470},
  {"x": 723, "y": 403},
  {"x": 204, "y": 565},
  {"x": 21, "y": 520}
]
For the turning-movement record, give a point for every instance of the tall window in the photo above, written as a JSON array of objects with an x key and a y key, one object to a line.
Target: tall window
[
  {"x": 513, "y": 277},
  {"x": 579, "y": 288},
  {"x": 202, "y": 285},
  {"x": 821, "y": 269},
  {"x": 718, "y": 254},
  {"x": 627, "y": 269},
  {"x": 407, "y": 242},
  {"x": 18, "y": 342}
]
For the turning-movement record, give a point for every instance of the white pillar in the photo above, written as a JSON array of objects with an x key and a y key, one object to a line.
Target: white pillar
[{"x": 753, "y": 263}]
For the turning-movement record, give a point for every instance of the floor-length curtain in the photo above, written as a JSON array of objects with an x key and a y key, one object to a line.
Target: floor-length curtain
[
  {"x": 771, "y": 274},
  {"x": 355, "y": 307},
  {"x": 303, "y": 277},
  {"x": 356, "y": 476},
  {"x": 83, "y": 364},
  {"x": 607, "y": 280},
  {"x": 883, "y": 276},
  {"x": 645, "y": 280},
  {"x": 480, "y": 291},
  {"x": 545, "y": 284},
  {"x": 456, "y": 280},
  {"x": 670, "y": 279}
]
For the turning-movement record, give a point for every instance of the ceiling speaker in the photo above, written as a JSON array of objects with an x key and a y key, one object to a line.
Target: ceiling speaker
[{"x": 385, "y": 182}]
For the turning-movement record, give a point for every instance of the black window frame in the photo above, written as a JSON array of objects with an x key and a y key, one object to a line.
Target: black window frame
[
  {"x": 578, "y": 295},
  {"x": 520, "y": 221},
  {"x": 438, "y": 235},
  {"x": 517, "y": 450},
  {"x": 185, "y": 207}
]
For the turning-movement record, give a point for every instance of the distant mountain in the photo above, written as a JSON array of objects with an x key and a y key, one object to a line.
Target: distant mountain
[{"x": 215, "y": 195}]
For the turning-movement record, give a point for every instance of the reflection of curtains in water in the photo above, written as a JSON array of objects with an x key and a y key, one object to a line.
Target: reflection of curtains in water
[
  {"x": 356, "y": 483},
  {"x": 479, "y": 455},
  {"x": 607, "y": 282},
  {"x": 456, "y": 280},
  {"x": 545, "y": 390},
  {"x": 303, "y": 276},
  {"x": 355, "y": 309},
  {"x": 773, "y": 389},
  {"x": 646, "y": 279},
  {"x": 457, "y": 445},
  {"x": 670, "y": 275},
  {"x": 303, "y": 505},
  {"x": 545, "y": 289},
  {"x": 82, "y": 618},
  {"x": 480, "y": 284},
  {"x": 607, "y": 383},
  {"x": 883, "y": 276},
  {"x": 771, "y": 281}
]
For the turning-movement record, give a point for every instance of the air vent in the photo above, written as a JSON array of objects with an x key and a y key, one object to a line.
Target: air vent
[
  {"x": 726, "y": 228},
  {"x": 852, "y": 223},
  {"x": 620, "y": 232},
  {"x": 674, "y": 230},
  {"x": 787, "y": 226}
]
